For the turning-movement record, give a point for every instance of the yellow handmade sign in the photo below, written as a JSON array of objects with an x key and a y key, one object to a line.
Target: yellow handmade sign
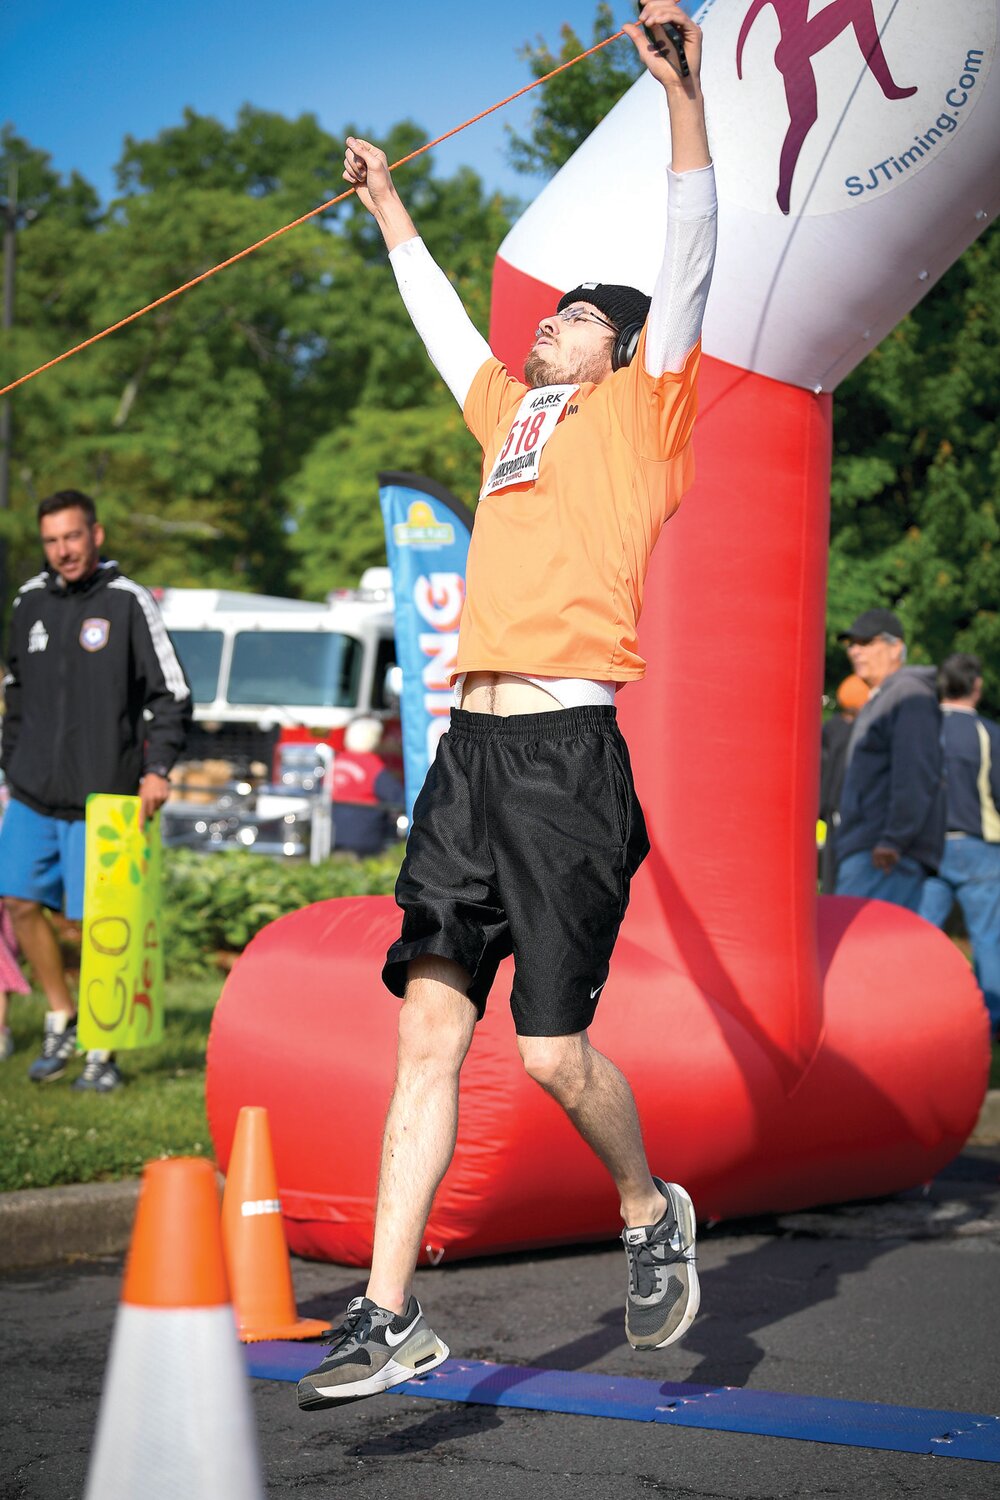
[{"x": 121, "y": 962}]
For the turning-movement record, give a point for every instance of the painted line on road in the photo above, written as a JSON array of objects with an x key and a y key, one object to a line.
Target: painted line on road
[{"x": 814, "y": 1419}]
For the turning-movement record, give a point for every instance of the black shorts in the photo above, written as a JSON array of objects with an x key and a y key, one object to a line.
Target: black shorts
[{"x": 525, "y": 837}]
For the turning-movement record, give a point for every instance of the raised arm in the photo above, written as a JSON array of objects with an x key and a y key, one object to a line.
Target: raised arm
[
  {"x": 681, "y": 291},
  {"x": 456, "y": 347},
  {"x": 366, "y": 168},
  {"x": 688, "y": 134}
]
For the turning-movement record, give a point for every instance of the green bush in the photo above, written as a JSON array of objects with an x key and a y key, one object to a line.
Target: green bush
[{"x": 213, "y": 904}]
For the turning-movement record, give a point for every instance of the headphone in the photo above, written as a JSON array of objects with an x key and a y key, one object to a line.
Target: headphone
[{"x": 625, "y": 345}]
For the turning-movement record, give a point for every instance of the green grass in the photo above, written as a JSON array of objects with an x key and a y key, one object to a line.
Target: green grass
[{"x": 49, "y": 1134}]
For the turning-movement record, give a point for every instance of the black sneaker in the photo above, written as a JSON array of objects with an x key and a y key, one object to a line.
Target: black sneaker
[
  {"x": 58, "y": 1048},
  {"x": 372, "y": 1350},
  {"x": 100, "y": 1075},
  {"x": 663, "y": 1291}
]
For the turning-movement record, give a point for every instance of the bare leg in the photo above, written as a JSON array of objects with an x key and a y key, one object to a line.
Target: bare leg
[
  {"x": 436, "y": 1024},
  {"x": 37, "y": 941},
  {"x": 598, "y": 1100}
]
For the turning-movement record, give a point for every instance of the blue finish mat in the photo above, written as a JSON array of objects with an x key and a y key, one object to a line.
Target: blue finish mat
[{"x": 857, "y": 1424}]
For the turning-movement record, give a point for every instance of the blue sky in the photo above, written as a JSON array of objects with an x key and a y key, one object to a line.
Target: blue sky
[{"x": 75, "y": 78}]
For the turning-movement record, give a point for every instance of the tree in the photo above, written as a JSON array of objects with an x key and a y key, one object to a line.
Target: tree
[
  {"x": 334, "y": 495},
  {"x": 573, "y": 104},
  {"x": 62, "y": 215},
  {"x": 74, "y": 203},
  {"x": 176, "y": 423},
  {"x": 915, "y": 520},
  {"x": 195, "y": 427}
]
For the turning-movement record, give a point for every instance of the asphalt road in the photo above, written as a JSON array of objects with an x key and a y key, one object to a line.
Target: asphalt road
[{"x": 897, "y": 1301}]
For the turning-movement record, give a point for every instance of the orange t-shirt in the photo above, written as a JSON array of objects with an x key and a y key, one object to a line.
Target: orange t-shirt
[{"x": 556, "y": 568}]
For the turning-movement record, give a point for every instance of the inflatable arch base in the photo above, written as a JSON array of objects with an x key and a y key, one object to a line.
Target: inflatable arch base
[{"x": 888, "y": 1099}]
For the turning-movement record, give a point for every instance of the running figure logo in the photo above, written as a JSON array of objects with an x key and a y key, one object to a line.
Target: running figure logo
[{"x": 801, "y": 39}]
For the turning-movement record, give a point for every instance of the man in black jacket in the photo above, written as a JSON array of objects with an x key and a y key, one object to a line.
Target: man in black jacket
[
  {"x": 890, "y": 834},
  {"x": 95, "y": 701}
]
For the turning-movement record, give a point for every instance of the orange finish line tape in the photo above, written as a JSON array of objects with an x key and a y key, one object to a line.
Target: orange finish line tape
[{"x": 321, "y": 208}]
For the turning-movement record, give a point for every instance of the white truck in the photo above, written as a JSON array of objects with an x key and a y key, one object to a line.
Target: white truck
[{"x": 276, "y": 682}]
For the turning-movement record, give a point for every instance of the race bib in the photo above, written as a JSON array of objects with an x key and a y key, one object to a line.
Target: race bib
[{"x": 535, "y": 421}]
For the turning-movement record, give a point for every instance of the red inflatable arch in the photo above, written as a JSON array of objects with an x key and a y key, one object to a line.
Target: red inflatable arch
[{"x": 784, "y": 1050}]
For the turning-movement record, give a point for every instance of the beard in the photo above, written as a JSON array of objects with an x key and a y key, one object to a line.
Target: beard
[
  {"x": 590, "y": 368},
  {"x": 536, "y": 372}
]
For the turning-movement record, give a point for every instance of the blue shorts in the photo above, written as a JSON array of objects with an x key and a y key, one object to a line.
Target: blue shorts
[{"x": 41, "y": 859}]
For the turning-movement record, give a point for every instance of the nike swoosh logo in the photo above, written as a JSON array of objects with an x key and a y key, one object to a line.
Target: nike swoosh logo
[
  {"x": 598, "y": 990},
  {"x": 397, "y": 1338}
]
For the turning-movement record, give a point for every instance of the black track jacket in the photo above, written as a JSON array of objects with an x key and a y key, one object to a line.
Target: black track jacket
[{"x": 84, "y": 663}]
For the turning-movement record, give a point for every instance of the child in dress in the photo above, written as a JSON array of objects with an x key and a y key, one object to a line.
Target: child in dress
[{"x": 12, "y": 980}]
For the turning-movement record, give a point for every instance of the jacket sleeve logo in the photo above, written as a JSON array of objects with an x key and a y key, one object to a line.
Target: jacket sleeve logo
[
  {"x": 94, "y": 634},
  {"x": 38, "y": 637}
]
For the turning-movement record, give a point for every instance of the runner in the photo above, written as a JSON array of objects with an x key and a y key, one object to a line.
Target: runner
[{"x": 527, "y": 831}]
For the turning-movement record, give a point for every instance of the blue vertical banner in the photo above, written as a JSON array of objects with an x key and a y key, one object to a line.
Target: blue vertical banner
[{"x": 427, "y": 531}]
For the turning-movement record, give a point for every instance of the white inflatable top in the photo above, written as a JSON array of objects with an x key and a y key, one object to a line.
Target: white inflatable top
[{"x": 857, "y": 153}]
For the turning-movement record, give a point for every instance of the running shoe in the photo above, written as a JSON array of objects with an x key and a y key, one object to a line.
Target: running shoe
[
  {"x": 663, "y": 1291},
  {"x": 58, "y": 1048},
  {"x": 372, "y": 1350},
  {"x": 6, "y": 1043},
  {"x": 99, "y": 1076}
]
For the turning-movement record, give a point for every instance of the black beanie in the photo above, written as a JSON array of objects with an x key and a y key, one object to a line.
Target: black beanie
[{"x": 621, "y": 304}]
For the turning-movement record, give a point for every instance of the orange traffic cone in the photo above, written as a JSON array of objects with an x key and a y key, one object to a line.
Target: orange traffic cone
[
  {"x": 260, "y": 1272},
  {"x": 175, "y": 1415}
]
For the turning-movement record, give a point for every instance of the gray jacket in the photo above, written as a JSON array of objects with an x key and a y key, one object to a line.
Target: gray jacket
[{"x": 894, "y": 785}]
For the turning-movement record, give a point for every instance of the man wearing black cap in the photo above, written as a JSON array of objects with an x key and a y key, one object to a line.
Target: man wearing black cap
[
  {"x": 890, "y": 836},
  {"x": 527, "y": 831}
]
